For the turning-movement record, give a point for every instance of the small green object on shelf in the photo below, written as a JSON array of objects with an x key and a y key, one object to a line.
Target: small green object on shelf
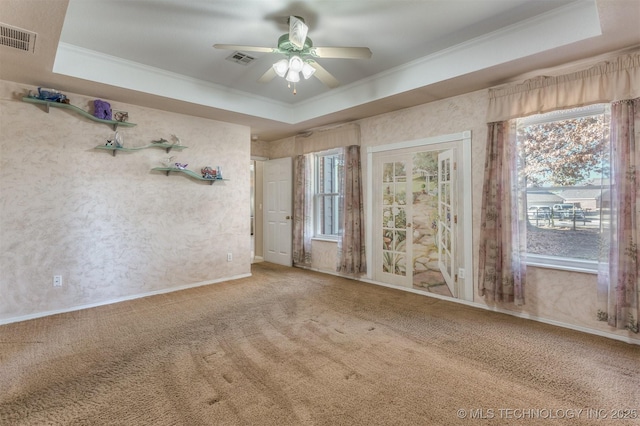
[
  {"x": 166, "y": 146},
  {"x": 187, "y": 172},
  {"x": 80, "y": 111}
]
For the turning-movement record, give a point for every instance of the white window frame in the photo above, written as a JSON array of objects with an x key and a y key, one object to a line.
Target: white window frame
[
  {"x": 317, "y": 213},
  {"x": 558, "y": 262}
]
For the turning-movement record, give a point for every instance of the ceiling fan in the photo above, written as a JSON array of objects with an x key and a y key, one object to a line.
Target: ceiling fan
[{"x": 300, "y": 53}]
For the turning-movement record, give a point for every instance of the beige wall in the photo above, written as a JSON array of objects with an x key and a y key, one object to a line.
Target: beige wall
[
  {"x": 556, "y": 296},
  {"x": 108, "y": 225},
  {"x": 113, "y": 229},
  {"x": 259, "y": 149}
]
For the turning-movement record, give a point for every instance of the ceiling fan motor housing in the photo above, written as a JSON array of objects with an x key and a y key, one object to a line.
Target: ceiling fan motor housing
[{"x": 286, "y": 46}]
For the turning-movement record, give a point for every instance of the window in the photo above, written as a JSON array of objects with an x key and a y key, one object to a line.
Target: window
[
  {"x": 563, "y": 171},
  {"x": 326, "y": 200}
]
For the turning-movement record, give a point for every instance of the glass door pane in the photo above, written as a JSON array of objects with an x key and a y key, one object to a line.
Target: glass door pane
[
  {"x": 395, "y": 258},
  {"x": 446, "y": 218}
]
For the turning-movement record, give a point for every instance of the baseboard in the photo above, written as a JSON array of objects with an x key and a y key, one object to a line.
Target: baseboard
[
  {"x": 366, "y": 280},
  {"x": 118, "y": 300},
  {"x": 527, "y": 316},
  {"x": 329, "y": 272}
]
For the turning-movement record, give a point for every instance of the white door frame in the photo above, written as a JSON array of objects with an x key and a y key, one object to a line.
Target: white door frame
[{"x": 465, "y": 273}]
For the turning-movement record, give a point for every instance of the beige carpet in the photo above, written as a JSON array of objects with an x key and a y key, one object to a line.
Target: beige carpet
[{"x": 292, "y": 347}]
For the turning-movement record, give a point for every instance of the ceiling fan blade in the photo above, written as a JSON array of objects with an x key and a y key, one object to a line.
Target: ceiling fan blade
[
  {"x": 267, "y": 76},
  {"x": 324, "y": 76},
  {"x": 245, "y": 48},
  {"x": 297, "y": 32},
  {"x": 341, "y": 52}
]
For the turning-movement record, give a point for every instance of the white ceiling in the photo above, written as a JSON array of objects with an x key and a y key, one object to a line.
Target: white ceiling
[{"x": 159, "y": 52}]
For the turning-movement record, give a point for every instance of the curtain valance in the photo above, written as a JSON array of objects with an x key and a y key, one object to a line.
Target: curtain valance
[
  {"x": 322, "y": 140},
  {"x": 608, "y": 81}
]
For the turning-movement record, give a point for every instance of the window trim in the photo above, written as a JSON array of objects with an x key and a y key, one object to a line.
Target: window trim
[
  {"x": 317, "y": 235},
  {"x": 559, "y": 262},
  {"x": 562, "y": 263}
]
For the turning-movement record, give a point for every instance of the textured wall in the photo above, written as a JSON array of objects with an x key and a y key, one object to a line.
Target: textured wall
[
  {"x": 562, "y": 296},
  {"x": 108, "y": 225},
  {"x": 567, "y": 297},
  {"x": 260, "y": 149},
  {"x": 282, "y": 148}
]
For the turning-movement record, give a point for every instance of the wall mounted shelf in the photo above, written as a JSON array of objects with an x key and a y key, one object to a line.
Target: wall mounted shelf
[
  {"x": 48, "y": 104},
  {"x": 189, "y": 173},
  {"x": 166, "y": 146}
]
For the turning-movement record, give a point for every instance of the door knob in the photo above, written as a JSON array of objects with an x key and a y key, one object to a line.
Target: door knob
[
  {"x": 288, "y": 217},
  {"x": 408, "y": 225}
]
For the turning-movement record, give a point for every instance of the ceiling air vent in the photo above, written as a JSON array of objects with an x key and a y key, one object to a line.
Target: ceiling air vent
[
  {"x": 17, "y": 38},
  {"x": 240, "y": 58}
]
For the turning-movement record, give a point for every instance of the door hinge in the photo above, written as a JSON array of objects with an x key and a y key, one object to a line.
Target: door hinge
[
  {"x": 455, "y": 218},
  {"x": 455, "y": 166}
]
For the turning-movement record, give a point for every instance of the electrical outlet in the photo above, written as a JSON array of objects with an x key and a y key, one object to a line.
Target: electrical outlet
[
  {"x": 229, "y": 257},
  {"x": 57, "y": 280},
  {"x": 461, "y": 273}
]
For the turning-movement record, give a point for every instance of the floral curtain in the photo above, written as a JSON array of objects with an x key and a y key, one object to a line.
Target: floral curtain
[
  {"x": 351, "y": 245},
  {"x": 302, "y": 209},
  {"x": 618, "y": 277},
  {"x": 502, "y": 268}
]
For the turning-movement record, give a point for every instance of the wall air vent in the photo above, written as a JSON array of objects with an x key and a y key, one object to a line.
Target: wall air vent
[
  {"x": 17, "y": 38},
  {"x": 240, "y": 58}
]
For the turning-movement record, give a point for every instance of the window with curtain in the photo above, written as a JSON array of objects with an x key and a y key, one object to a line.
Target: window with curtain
[
  {"x": 503, "y": 248},
  {"x": 327, "y": 213},
  {"x": 563, "y": 167},
  {"x": 327, "y": 196}
]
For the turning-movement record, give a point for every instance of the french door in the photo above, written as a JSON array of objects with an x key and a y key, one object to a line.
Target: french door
[
  {"x": 415, "y": 218},
  {"x": 394, "y": 264},
  {"x": 447, "y": 217}
]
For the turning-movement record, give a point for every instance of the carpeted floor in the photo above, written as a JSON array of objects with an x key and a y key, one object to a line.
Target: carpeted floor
[{"x": 293, "y": 347}]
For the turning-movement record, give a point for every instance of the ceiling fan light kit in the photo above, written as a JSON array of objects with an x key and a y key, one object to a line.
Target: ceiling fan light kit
[
  {"x": 291, "y": 69},
  {"x": 295, "y": 63},
  {"x": 293, "y": 77},
  {"x": 307, "y": 71},
  {"x": 281, "y": 67},
  {"x": 300, "y": 53}
]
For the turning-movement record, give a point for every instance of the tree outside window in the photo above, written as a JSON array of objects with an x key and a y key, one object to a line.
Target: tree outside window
[{"x": 564, "y": 168}]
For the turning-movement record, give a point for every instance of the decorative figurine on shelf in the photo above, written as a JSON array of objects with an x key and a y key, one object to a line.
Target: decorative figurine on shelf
[
  {"x": 101, "y": 109},
  {"x": 181, "y": 166},
  {"x": 161, "y": 140},
  {"x": 121, "y": 116},
  {"x": 218, "y": 173},
  {"x": 50, "y": 95},
  {"x": 118, "y": 140},
  {"x": 168, "y": 162},
  {"x": 208, "y": 173}
]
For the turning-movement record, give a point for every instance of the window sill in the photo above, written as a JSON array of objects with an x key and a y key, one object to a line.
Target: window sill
[
  {"x": 325, "y": 239},
  {"x": 562, "y": 263}
]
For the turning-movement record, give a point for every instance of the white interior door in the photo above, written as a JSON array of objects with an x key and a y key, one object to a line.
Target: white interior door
[
  {"x": 447, "y": 218},
  {"x": 277, "y": 176}
]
